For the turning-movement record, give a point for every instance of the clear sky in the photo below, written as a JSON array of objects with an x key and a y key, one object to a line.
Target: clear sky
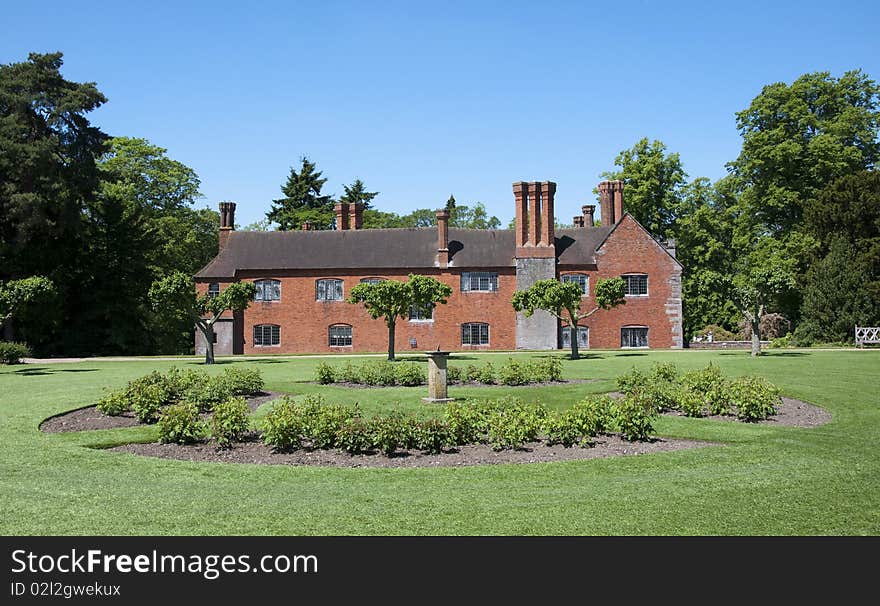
[{"x": 424, "y": 99}]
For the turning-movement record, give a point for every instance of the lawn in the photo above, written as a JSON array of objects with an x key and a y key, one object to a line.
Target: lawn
[{"x": 762, "y": 480}]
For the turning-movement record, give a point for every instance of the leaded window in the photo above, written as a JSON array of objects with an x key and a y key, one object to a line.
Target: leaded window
[
  {"x": 266, "y": 335},
  {"x": 328, "y": 290},
  {"x": 479, "y": 281},
  {"x": 340, "y": 335},
  {"x": 636, "y": 285},
  {"x": 474, "y": 333},
  {"x": 634, "y": 336},
  {"x": 268, "y": 290},
  {"x": 582, "y": 280}
]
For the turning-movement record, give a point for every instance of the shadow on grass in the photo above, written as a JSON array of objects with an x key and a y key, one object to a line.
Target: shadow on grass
[
  {"x": 40, "y": 371},
  {"x": 629, "y": 354}
]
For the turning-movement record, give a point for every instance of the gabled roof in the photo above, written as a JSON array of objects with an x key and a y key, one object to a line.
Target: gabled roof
[
  {"x": 647, "y": 233},
  {"x": 414, "y": 248}
]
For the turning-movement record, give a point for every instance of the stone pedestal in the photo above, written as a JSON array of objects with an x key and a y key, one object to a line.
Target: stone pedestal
[{"x": 437, "y": 377}]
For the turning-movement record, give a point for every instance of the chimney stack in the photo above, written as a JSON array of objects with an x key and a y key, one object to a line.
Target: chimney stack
[
  {"x": 535, "y": 226},
  {"x": 443, "y": 238},
  {"x": 606, "y": 203},
  {"x": 578, "y": 220},
  {"x": 227, "y": 222},
  {"x": 341, "y": 216},
  {"x": 589, "y": 211},
  {"x": 356, "y": 215},
  {"x": 617, "y": 190}
]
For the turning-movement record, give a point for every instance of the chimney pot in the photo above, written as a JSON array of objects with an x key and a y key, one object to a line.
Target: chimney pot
[
  {"x": 589, "y": 212},
  {"x": 443, "y": 238},
  {"x": 578, "y": 220},
  {"x": 227, "y": 222},
  {"x": 606, "y": 203},
  {"x": 617, "y": 190},
  {"x": 356, "y": 215},
  {"x": 341, "y": 216}
]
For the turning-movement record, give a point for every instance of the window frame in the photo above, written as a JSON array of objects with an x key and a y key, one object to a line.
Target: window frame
[
  {"x": 213, "y": 290},
  {"x": 413, "y": 308},
  {"x": 335, "y": 281},
  {"x": 647, "y": 344},
  {"x": 261, "y": 284},
  {"x": 567, "y": 330},
  {"x": 274, "y": 330},
  {"x": 627, "y": 277},
  {"x": 331, "y": 337},
  {"x": 469, "y": 327},
  {"x": 470, "y": 276},
  {"x": 585, "y": 287},
  {"x": 372, "y": 280}
]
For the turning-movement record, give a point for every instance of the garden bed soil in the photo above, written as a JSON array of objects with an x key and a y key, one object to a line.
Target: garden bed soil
[
  {"x": 791, "y": 413},
  {"x": 85, "y": 419},
  {"x": 254, "y": 451}
]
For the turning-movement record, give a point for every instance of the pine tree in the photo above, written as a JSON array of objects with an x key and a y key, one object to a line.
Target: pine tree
[
  {"x": 302, "y": 200},
  {"x": 357, "y": 192}
]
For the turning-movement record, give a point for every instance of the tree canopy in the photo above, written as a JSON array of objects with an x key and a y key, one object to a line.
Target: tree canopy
[{"x": 303, "y": 200}]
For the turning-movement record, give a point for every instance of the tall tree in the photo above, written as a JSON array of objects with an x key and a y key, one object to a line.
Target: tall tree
[
  {"x": 391, "y": 299},
  {"x": 303, "y": 200},
  {"x": 177, "y": 294},
  {"x": 18, "y": 295},
  {"x": 654, "y": 180},
  {"x": 476, "y": 217},
  {"x": 563, "y": 300},
  {"x": 357, "y": 193}
]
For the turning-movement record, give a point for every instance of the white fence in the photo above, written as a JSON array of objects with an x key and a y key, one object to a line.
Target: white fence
[{"x": 867, "y": 334}]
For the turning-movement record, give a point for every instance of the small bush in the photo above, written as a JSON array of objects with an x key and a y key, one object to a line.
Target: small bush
[
  {"x": 324, "y": 373},
  {"x": 282, "y": 427},
  {"x": 663, "y": 371},
  {"x": 243, "y": 381},
  {"x": 466, "y": 421},
  {"x": 210, "y": 393},
  {"x": 591, "y": 416},
  {"x": 454, "y": 374},
  {"x": 390, "y": 432},
  {"x": 701, "y": 381},
  {"x": 662, "y": 396},
  {"x": 631, "y": 380},
  {"x": 354, "y": 436},
  {"x": 321, "y": 422},
  {"x": 560, "y": 430},
  {"x": 179, "y": 382},
  {"x": 377, "y": 373},
  {"x": 12, "y": 353},
  {"x": 549, "y": 370},
  {"x": 411, "y": 374},
  {"x": 754, "y": 398},
  {"x": 785, "y": 342},
  {"x": 513, "y": 373},
  {"x": 635, "y": 415},
  {"x": 114, "y": 403},
  {"x": 472, "y": 373},
  {"x": 718, "y": 399},
  {"x": 180, "y": 423},
  {"x": 486, "y": 374},
  {"x": 348, "y": 373},
  {"x": 230, "y": 420},
  {"x": 690, "y": 402},
  {"x": 433, "y": 436},
  {"x": 512, "y": 426},
  {"x": 146, "y": 400}
]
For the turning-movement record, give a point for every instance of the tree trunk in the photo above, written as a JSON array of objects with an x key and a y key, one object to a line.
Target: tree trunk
[
  {"x": 575, "y": 355},
  {"x": 756, "y": 335},
  {"x": 391, "y": 327},
  {"x": 208, "y": 333}
]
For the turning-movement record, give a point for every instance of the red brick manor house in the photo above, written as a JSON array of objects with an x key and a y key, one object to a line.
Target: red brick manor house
[{"x": 303, "y": 277}]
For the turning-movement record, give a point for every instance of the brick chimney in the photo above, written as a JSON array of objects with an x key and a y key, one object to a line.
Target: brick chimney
[
  {"x": 606, "y": 203},
  {"x": 578, "y": 220},
  {"x": 341, "y": 216},
  {"x": 442, "y": 238},
  {"x": 535, "y": 228},
  {"x": 227, "y": 222},
  {"x": 589, "y": 217},
  {"x": 356, "y": 215},
  {"x": 617, "y": 190}
]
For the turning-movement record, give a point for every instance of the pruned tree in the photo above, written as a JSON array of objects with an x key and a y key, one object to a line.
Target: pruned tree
[
  {"x": 563, "y": 300},
  {"x": 177, "y": 292},
  {"x": 16, "y": 295},
  {"x": 391, "y": 299}
]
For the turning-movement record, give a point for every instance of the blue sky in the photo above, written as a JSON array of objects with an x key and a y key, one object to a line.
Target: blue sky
[{"x": 421, "y": 100}]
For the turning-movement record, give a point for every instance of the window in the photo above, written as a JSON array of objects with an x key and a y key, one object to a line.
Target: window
[
  {"x": 479, "y": 281},
  {"x": 266, "y": 335},
  {"x": 213, "y": 289},
  {"x": 582, "y": 280},
  {"x": 328, "y": 290},
  {"x": 636, "y": 285},
  {"x": 583, "y": 337},
  {"x": 268, "y": 290},
  {"x": 372, "y": 280},
  {"x": 474, "y": 333},
  {"x": 421, "y": 314},
  {"x": 634, "y": 336},
  {"x": 340, "y": 335}
]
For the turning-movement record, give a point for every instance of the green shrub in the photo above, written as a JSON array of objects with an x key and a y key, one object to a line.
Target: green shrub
[
  {"x": 631, "y": 380},
  {"x": 512, "y": 426},
  {"x": 701, "y": 381},
  {"x": 179, "y": 382},
  {"x": 354, "y": 436},
  {"x": 243, "y": 381},
  {"x": 755, "y": 398},
  {"x": 472, "y": 373},
  {"x": 230, "y": 420},
  {"x": 663, "y": 371},
  {"x": 210, "y": 393},
  {"x": 718, "y": 398},
  {"x": 486, "y": 374},
  {"x": 454, "y": 374},
  {"x": 591, "y": 416},
  {"x": 12, "y": 353},
  {"x": 282, "y": 427},
  {"x": 324, "y": 373},
  {"x": 560, "y": 430},
  {"x": 321, "y": 422},
  {"x": 782, "y": 342},
  {"x": 433, "y": 436},
  {"x": 348, "y": 373},
  {"x": 389, "y": 432},
  {"x": 549, "y": 370},
  {"x": 180, "y": 423},
  {"x": 146, "y": 400},
  {"x": 513, "y": 373},
  {"x": 690, "y": 402},
  {"x": 377, "y": 373},
  {"x": 411, "y": 374},
  {"x": 635, "y": 416},
  {"x": 114, "y": 403},
  {"x": 661, "y": 395},
  {"x": 466, "y": 421}
]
